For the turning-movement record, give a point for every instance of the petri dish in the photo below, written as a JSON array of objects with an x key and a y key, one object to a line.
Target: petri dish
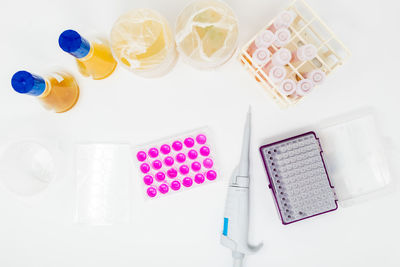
[
  {"x": 206, "y": 33},
  {"x": 142, "y": 41}
]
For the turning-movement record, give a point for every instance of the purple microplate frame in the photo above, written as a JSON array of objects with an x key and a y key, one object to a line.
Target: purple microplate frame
[{"x": 272, "y": 185}]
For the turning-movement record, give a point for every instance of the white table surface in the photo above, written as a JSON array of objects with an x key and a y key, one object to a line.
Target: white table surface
[{"x": 184, "y": 229}]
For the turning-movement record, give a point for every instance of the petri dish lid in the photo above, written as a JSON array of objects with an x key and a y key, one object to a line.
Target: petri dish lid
[{"x": 355, "y": 158}]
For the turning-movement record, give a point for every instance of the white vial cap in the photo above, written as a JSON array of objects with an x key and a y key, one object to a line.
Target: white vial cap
[
  {"x": 287, "y": 87},
  {"x": 261, "y": 56},
  {"x": 282, "y": 57},
  {"x": 317, "y": 76},
  {"x": 282, "y": 37},
  {"x": 306, "y": 52},
  {"x": 277, "y": 74},
  {"x": 284, "y": 19},
  {"x": 304, "y": 87},
  {"x": 265, "y": 39}
]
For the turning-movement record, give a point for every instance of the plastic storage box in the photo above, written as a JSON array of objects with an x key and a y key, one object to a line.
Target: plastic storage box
[{"x": 336, "y": 163}]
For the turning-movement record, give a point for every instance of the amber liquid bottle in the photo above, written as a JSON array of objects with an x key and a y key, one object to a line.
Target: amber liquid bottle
[
  {"x": 58, "y": 92},
  {"x": 94, "y": 59}
]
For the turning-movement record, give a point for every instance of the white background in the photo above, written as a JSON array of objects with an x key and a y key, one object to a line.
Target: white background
[{"x": 183, "y": 230}]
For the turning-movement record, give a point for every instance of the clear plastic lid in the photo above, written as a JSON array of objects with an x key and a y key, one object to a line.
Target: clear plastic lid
[
  {"x": 355, "y": 157},
  {"x": 103, "y": 183}
]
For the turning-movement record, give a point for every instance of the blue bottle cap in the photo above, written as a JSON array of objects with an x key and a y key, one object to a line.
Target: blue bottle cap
[
  {"x": 24, "y": 82},
  {"x": 73, "y": 43}
]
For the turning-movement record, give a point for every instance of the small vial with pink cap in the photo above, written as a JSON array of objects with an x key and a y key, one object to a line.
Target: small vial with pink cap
[
  {"x": 304, "y": 53},
  {"x": 275, "y": 73},
  {"x": 176, "y": 164},
  {"x": 263, "y": 40},
  {"x": 282, "y": 37},
  {"x": 317, "y": 76},
  {"x": 261, "y": 56},
  {"x": 281, "y": 57},
  {"x": 287, "y": 87},
  {"x": 283, "y": 20},
  {"x": 304, "y": 87}
]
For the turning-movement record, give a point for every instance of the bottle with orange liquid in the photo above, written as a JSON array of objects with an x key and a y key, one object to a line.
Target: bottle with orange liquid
[
  {"x": 94, "y": 58},
  {"x": 58, "y": 92}
]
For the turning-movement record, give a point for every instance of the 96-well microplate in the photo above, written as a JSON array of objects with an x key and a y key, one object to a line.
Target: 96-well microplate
[{"x": 298, "y": 177}]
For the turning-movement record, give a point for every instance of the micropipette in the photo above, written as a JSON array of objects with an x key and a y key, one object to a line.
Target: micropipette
[{"x": 236, "y": 219}]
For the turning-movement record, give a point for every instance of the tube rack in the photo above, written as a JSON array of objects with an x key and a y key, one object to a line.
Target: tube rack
[{"x": 307, "y": 28}]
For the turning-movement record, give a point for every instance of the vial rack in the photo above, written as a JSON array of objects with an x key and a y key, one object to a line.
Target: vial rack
[{"x": 307, "y": 28}]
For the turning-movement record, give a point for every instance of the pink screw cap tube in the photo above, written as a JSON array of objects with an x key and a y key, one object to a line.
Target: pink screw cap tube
[
  {"x": 304, "y": 87},
  {"x": 175, "y": 185},
  {"x": 153, "y": 152},
  {"x": 287, "y": 87},
  {"x": 208, "y": 163},
  {"x": 189, "y": 142},
  {"x": 211, "y": 175},
  {"x": 196, "y": 166},
  {"x": 160, "y": 176},
  {"x": 282, "y": 57},
  {"x": 163, "y": 188},
  {"x": 261, "y": 56},
  {"x": 177, "y": 145},
  {"x": 276, "y": 73},
  {"x": 282, "y": 37},
  {"x": 192, "y": 154},
  {"x": 151, "y": 191},
  {"x": 284, "y": 19},
  {"x": 145, "y": 168},
  {"x": 148, "y": 179},
  {"x": 317, "y": 76},
  {"x": 184, "y": 169},
  {"x": 187, "y": 182},
  {"x": 172, "y": 173},
  {"x": 180, "y": 157},
  {"x": 169, "y": 161},
  {"x": 305, "y": 52},
  {"x": 199, "y": 178},
  {"x": 264, "y": 39},
  {"x": 165, "y": 149},
  {"x": 205, "y": 151},
  {"x": 141, "y": 156},
  {"x": 201, "y": 139},
  {"x": 157, "y": 164}
]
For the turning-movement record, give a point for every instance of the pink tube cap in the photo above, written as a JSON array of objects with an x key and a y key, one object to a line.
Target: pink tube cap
[
  {"x": 187, "y": 182},
  {"x": 189, "y": 142},
  {"x": 163, "y": 188},
  {"x": 205, "y": 151},
  {"x": 211, "y": 175},
  {"x": 199, "y": 178},
  {"x": 141, "y": 156},
  {"x": 151, "y": 191},
  {"x": 177, "y": 145},
  {"x": 192, "y": 154},
  {"x": 175, "y": 185},
  {"x": 201, "y": 139},
  {"x": 165, "y": 149}
]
